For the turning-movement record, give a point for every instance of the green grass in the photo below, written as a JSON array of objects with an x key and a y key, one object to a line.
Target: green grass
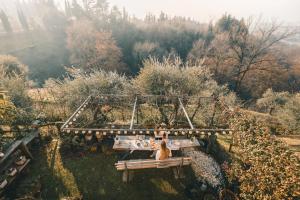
[{"x": 93, "y": 176}]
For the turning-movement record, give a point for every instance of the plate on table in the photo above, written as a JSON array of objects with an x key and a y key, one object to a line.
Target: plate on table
[{"x": 138, "y": 145}]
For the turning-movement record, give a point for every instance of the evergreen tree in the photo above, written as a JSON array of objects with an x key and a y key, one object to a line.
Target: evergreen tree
[
  {"x": 77, "y": 10},
  {"x": 68, "y": 10},
  {"x": 23, "y": 19},
  {"x": 5, "y": 22}
]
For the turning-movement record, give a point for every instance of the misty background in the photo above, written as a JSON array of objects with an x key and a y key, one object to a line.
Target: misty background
[{"x": 52, "y": 37}]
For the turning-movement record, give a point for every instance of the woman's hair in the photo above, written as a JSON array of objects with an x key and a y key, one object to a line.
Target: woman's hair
[
  {"x": 164, "y": 151},
  {"x": 164, "y": 136},
  {"x": 163, "y": 145}
]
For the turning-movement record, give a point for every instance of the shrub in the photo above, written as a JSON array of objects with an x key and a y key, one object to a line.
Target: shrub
[
  {"x": 266, "y": 168},
  {"x": 13, "y": 79},
  {"x": 176, "y": 78},
  {"x": 10, "y": 66},
  {"x": 8, "y": 112},
  {"x": 284, "y": 106},
  {"x": 73, "y": 91}
]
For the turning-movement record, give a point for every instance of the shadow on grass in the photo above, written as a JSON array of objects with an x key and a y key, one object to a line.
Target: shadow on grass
[
  {"x": 93, "y": 176},
  {"x": 220, "y": 151},
  {"x": 97, "y": 178},
  {"x": 39, "y": 179}
]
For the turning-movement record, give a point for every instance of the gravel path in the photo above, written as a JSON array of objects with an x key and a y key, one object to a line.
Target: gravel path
[{"x": 206, "y": 168}]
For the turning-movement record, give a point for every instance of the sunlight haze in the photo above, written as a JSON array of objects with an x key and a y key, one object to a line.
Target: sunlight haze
[
  {"x": 206, "y": 10},
  {"x": 150, "y": 99}
]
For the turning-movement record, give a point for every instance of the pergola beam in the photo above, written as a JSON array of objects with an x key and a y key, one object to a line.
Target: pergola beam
[
  {"x": 152, "y": 95},
  {"x": 78, "y": 111},
  {"x": 137, "y": 131},
  {"x": 143, "y": 131},
  {"x": 186, "y": 115}
]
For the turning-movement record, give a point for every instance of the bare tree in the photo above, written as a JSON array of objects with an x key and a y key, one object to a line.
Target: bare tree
[
  {"x": 251, "y": 50},
  {"x": 245, "y": 47}
]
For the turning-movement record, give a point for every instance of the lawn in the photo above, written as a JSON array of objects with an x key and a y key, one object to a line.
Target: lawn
[{"x": 53, "y": 175}]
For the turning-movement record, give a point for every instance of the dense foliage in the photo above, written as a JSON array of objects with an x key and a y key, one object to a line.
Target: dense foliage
[
  {"x": 282, "y": 105},
  {"x": 8, "y": 112},
  {"x": 174, "y": 78},
  {"x": 13, "y": 76},
  {"x": 249, "y": 56},
  {"x": 91, "y": 49},
  {"x": 10, "y": 66},
  {"x": 72, "y": 91},
  {"x": 170, "y": 77},
  {"x": 265, "y": 168}
]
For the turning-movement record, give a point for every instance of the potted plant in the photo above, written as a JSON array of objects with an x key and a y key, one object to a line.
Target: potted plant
[
  {"x": 20, "y": 160},
  {"x": 3, "y": 182},
  {"x": 12, "y": 171}
]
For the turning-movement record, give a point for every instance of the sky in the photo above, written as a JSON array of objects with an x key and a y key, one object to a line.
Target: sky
[{"x": 283, "y": 11}]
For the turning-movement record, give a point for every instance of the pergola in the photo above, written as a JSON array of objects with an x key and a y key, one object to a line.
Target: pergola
[{"x": 68, "y": 126}]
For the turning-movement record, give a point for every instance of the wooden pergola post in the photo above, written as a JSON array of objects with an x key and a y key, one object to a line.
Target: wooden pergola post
[
  {"x": 185, "y": 113},
  {"x": 76, "y": 112},
  {"x": 133, "y": 112}
]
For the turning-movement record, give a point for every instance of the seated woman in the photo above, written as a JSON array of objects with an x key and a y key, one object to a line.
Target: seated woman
[
  {"x": 159, "y": 130},
  {"x": 163, "y": 153}
]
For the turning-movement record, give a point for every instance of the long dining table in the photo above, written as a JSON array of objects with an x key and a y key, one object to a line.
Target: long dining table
[{"x": 142, "y": 143}]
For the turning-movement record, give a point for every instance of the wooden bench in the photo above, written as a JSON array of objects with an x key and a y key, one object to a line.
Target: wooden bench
[
  {"x": 18, "y": 148},
  {"x": 128, "y": 166}
]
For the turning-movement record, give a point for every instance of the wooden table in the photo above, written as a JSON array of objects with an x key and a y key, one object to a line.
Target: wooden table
[{"x": 131, "y": 143}]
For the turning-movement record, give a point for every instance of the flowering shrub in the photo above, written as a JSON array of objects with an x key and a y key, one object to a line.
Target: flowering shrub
[{"x": 265, "y": 168}]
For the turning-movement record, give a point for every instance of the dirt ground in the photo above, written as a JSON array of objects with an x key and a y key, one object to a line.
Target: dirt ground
[{"x": 293, "y": 141}]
